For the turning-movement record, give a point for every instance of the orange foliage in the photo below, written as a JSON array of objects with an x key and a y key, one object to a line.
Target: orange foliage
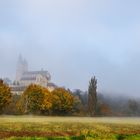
[
  {"x": 5, "y": 95},
  {"x": 39, "y": 99},
  {"x": 105, "y": 109},
  {"x": 47, "y": 102}
]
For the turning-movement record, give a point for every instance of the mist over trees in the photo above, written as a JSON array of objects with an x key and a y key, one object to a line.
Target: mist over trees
[{"x": 38, "y": 100}]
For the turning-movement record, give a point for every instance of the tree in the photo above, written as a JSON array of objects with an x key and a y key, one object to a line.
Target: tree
[
  {"x": 62, "y": 101},
  {"x": 12, "y": 107},
  {"x": 80, "y": 99},
  {"x": 22, "y": 104},
  {"x": 35, "y": 99},
  {"x": 5, "y": 95},
  {"x": 32, "y": 99},
  {"x": 104, "y": 109},
  {"x": 47, "y": 102},
  {"x": 133, "y": 107},
  {"x": 92, "y": 96}
]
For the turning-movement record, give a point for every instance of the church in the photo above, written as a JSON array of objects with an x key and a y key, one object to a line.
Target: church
[{"x": 24, "y": 78}]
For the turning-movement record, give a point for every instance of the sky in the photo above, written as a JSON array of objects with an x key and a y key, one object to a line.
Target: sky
[{"x": 74, "y": 40}]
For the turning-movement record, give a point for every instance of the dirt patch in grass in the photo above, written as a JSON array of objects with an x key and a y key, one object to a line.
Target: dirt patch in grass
[
  {"x": 130, "y": 132},
  {"x": 6, "y": 134}
]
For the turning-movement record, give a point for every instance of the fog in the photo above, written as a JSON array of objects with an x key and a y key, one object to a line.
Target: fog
[{"x": 74, "y": 40}]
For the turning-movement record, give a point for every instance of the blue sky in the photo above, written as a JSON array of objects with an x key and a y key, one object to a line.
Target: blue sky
[{"x": 74, "y": 39}]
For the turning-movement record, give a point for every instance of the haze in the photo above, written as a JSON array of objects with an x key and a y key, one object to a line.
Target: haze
[{"x": 74, "y": 40}]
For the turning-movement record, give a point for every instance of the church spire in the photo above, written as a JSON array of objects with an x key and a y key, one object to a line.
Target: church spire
[{"x": 22, "y": 66}]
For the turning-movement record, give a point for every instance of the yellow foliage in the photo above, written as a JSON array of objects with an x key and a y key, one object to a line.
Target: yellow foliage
[
  {"x": 37, "y": 98},
  {"x": 5, "y": 95},
  {"x": 47, "y": 102},
  {"x": 62, "y": 100}
]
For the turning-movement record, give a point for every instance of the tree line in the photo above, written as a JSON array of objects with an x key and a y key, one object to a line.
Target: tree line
[{"x": 38, "y": 100}]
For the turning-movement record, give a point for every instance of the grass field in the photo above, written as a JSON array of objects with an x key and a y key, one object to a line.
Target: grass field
[{"x": 69, "y": 128}]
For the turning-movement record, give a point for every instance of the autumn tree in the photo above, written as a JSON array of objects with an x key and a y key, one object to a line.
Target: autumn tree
[
  {"x": 5, "y": 95},
  {"x": 12, "y": 107},
  {"x": 62, "y": 101},
  {"x": 35, "y": 99},
  {"x": 46, "y": 106},
  {"x": 92, "y": 96},
  {"x": 104, "y": 109},
  {"x": 31, "y": 99},
  {"x": 22, "y": 104}
]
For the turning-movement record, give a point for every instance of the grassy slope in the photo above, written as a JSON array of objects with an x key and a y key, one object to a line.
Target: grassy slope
[{"x": 35, "y": 127}]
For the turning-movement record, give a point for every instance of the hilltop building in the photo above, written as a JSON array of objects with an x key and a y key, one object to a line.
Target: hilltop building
[{"x": 24, "y": 78}]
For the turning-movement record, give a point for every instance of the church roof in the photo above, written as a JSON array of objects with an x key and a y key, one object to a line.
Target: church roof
[
  {"x": 36, "y": 72},
  {"x": 29, "y": 74},
  {"x": 28, "y": 78}
]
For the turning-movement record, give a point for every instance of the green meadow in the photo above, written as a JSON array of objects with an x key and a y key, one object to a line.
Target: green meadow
[{"x": 69, "y": 128}]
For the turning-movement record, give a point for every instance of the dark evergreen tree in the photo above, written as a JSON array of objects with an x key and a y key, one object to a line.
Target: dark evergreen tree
[{"x": 92, "y": 96}]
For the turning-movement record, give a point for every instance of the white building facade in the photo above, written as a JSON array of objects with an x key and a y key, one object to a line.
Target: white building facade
[{"x": 24, "y": 78}]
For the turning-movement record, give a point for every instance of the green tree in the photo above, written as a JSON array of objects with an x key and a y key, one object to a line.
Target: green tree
[
  {"x": 92, "y": 96},
  {"x": 5, "y": 95},
  {"x": 62, "y": 101}
]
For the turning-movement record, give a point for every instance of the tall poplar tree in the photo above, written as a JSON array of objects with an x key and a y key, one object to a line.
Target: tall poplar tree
[{"x": 92, "y": 96}]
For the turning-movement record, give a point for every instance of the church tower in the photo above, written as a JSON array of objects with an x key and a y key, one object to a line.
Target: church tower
[{"x": 22, "y": 66}]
